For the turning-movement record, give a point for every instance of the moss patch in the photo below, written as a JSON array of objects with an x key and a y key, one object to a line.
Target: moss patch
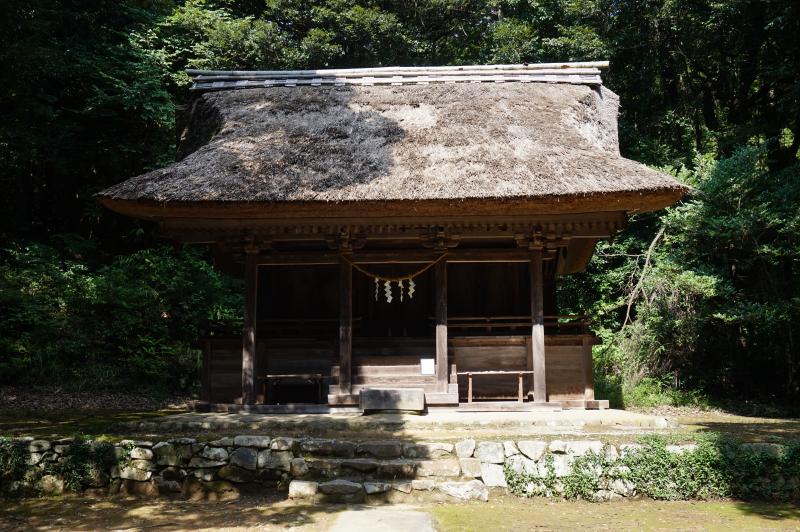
[{"x": 508, "y": 513}]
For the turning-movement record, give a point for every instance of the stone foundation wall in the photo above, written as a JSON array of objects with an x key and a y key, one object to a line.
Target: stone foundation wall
[{"x": 316, "y": 469}]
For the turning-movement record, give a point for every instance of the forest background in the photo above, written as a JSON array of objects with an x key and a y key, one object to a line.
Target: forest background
[{"x": 696, "y": 303}]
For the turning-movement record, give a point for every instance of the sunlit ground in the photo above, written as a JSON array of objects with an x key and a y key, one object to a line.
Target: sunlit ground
[
  {"x": 502, "y": 513},
  {"x": 510, "y": 513},
  {"x": 106, "y": 423},
  {"x": 747, "y": 428}
]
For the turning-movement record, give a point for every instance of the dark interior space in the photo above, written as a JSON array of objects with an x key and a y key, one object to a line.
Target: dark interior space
[{"x": 407, "y": 315}]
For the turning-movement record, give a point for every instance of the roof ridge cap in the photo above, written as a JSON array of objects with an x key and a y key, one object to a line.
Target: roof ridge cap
[
  {"x": 585, "y": 73},
  {"x": 403, "y": 70}
]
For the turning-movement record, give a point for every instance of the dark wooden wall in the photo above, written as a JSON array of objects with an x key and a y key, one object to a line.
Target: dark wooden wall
[
  {"x": 378, "y": 318},
  {"x": 563, "y": 356},
  {"x": 297, "y": 292},
  {"x": 566, "y": 372},
  {"x": 222, "y": 371},
  {"x": 308, "y": 295},
  {"x": 496, "y": 289}
]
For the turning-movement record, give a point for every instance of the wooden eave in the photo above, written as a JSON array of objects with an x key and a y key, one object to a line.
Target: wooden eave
[{"x": 628, "y": 202}]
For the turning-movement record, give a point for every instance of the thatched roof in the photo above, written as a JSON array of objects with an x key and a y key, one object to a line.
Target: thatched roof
[{"x": 355, "y": 140}]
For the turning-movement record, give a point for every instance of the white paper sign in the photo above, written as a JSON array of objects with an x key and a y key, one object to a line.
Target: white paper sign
[{"x": 427, "y": 366}]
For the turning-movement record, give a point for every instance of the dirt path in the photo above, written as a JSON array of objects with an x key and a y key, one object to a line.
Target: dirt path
[{"x": 503, "y": 513}]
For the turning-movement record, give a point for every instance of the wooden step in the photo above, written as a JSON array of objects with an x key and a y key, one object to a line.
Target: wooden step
[
  {"x": 396, "y": 381},
  {"x": 432, "y": 397},
  {"x": 337, "y": 399},
  {"x": 356, "y": 388},
  {"x": 381, "y": 370},
  {"x": 441, "y": 399}
]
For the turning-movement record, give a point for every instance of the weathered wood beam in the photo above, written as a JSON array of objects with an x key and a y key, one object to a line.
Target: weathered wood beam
[
  {"x": 529, "y": 365},
  {"x": 537, "y": 331},
  {"x": 588, "y": 368},
  {"x": 440, "y": 279},
  {"x": 249, "y": 330},
  {"x": 410, "y": 256},
  {"x": 345, "y": 326},
  {"x": 382, "y": 227}
]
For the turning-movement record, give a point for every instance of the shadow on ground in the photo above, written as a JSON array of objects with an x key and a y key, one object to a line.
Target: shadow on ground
[
  {"x": 771, "y": 511},
  {"x": 502, "y": 513},
  {"x": 76, "y": 513}
]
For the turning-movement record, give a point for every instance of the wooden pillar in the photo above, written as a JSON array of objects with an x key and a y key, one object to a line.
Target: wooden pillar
[
  {"x": 588, "y": 368},
  {"x": 537, "y": 332},
  {"x": 529, "y": 366},
  {"x": 249, "y": 331},
  {"x": 205, "y": 378},
  {"x": 345, "y": 326},
  {"x": 441, "y": 325}
]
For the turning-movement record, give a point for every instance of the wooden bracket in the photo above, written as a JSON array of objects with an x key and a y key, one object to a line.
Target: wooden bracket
[
  {"x": 539, "y": 240},
  {"x": 248, "y": 244},
  {"x": 440, "y": 239},
  {"x": 345, "y": 241}
]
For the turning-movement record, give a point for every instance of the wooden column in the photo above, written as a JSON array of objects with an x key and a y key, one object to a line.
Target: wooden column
[
  {"x": 441, "y": 325},
  {"x": 588, "y": 368},
  {"x": 537, "y": 332},
  {"x": 205, "y": 378},
  {"x": 249, "y": 331},
  {"x": 345, "y": 326}
]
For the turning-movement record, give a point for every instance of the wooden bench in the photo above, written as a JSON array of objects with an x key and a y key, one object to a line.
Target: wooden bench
[{"x": 521, "y": 374}]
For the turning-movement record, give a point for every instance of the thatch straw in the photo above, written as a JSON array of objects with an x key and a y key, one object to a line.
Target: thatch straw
[{"x": 410, "y": 142}]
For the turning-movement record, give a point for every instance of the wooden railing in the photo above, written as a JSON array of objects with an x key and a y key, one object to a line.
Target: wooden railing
[
  {"x": 301, "y": 326},
  {"x": 562, "y": 324},
  {"x": 520, "y": 374}
]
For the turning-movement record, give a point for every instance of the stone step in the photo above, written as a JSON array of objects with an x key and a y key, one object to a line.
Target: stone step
[
  {"x": 590, "y": 404},
  {"x": 349, "y": 491},
  {"x": 371, "y": 468},
  {"x": 508, "y": 406}
]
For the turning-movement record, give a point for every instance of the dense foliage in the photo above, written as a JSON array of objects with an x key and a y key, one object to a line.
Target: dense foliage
[
  {"x": 71, "y": 319},
  {"x": 83, "y": 464},
  {"x": 701, "y": 297}
]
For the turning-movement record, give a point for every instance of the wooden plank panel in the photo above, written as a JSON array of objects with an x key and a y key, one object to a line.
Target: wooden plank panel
[
  {"x": 472, "y": 341},
  {"x": 489, "y": 353},
  {"x": 249, "y": 332},
  {"x": 387, "y": 360},
  {"x": 345, "y": 324},
  {"x": 565, "y": 372},
  {"x": 441, "y": 324}
]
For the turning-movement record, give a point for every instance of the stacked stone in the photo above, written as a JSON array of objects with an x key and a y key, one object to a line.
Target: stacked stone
[
  {"x": 383, "y": 470},
  {"x": 201, "y": 470},
  {"x": 327, "y": 469}
]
